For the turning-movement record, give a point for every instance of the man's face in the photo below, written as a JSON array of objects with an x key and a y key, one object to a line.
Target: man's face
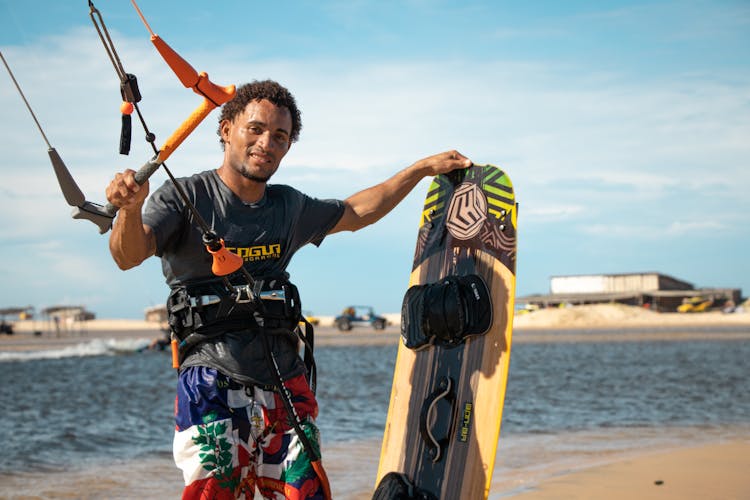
[{"x": 257, "y": 139}]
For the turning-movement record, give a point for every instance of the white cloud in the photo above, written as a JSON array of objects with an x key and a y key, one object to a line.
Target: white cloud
[
  {"x": 655, "y": 232},
  {"x": 576, "y": 142},
  {"x": 680, "y": 228},
  {"x": 555, "y": 123},
  {"x": 541, "y": 213}
]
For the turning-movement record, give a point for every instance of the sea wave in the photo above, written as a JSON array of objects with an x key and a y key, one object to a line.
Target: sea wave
[{"x": 95, "y": 347}]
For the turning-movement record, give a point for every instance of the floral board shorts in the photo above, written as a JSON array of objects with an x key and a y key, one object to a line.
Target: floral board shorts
[{"x": 231, "y": 439}]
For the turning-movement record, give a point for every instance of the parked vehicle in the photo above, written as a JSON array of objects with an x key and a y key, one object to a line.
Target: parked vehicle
[
  {"x": 695, "y": 304},
  {"x": 15, "y": 313},
  {"x": 359, "y": 316},
  {"x": 311, "y": 318}
]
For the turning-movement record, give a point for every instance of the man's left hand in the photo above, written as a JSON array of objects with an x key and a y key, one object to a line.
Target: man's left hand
[{"x": 442, "y": 163}]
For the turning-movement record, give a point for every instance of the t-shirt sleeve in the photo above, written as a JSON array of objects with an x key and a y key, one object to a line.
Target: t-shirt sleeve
[
  {"x": 163, "y": 214},
  {"x": 317, "y": 217}
]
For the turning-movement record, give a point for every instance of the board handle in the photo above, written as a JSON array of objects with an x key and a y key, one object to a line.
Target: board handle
[
  {"x": 456, "y": 177},
  {"x": 443, "y": 391}
]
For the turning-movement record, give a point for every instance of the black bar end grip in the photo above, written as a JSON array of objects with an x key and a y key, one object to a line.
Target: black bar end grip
[
  {"x": 147, "y": 170},
  {"x": 96, "y": 214},
  {"x": 141, "y": 176}
]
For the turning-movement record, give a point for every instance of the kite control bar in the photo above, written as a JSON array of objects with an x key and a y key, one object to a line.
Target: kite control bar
[{"x": 213, "y": 96}]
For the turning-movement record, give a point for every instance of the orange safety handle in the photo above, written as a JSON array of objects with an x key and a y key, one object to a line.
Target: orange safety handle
[
  {"x": 224, "y": 261},
  {"x": 175, "y": 353}
]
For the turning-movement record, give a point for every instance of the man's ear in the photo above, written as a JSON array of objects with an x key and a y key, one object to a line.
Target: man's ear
[{"x": 224, "y": 127}]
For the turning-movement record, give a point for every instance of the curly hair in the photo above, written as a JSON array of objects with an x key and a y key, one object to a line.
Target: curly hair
[{"x": 256, "y": 91}]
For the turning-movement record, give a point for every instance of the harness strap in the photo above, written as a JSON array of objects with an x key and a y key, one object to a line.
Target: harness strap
[{"x": 308, "y": 339}]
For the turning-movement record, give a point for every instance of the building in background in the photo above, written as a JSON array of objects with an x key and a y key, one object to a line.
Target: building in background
[
  {"x": 654, "y": 290},
  {"x": 67, "y": 319}
]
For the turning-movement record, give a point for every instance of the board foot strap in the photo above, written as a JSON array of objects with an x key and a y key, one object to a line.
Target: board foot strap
[
  {"x": 396, "y": 486},
  {"x": 445, "y": 312}
]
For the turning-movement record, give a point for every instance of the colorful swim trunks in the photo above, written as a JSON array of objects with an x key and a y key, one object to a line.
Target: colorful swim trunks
[{"x": 232, "y": 439}]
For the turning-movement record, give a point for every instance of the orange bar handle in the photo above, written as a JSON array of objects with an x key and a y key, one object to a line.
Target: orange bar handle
[
  {"x": 184, "y": 71},
  {"x": 208, "y": 89},
  {"x": 184, "y": 130},
  {"x": 189, "y": 77},
  {"x": 214, "y": 95}
]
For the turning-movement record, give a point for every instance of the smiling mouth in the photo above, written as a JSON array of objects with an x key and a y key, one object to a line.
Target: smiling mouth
[{"x": 261, "y": 157}]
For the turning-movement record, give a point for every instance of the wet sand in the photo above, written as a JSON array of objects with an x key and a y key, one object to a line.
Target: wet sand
[
  {"x": 715, "y": 471},
  {"x": 710, "y": 471}
]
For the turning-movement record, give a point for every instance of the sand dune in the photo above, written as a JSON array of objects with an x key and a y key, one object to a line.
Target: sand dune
[{"x": 619, "y": 315}]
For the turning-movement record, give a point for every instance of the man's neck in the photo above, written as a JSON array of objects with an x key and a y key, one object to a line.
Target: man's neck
[{"x": 249, "y": 191}]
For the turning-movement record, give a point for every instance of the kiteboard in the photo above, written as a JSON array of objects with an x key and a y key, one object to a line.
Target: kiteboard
[{"x": 449, "y": 382}]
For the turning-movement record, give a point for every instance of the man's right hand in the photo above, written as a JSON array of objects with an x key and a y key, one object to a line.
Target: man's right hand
[{"x": 125, "y": 193}]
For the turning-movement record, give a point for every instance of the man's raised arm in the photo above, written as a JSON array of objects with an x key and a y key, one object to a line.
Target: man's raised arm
[
  {"x": 131, "y": 242},
  {"x": 370, "y": 205}
]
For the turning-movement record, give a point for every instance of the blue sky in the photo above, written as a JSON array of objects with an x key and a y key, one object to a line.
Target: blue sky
[{"x": 624, "y": 126}]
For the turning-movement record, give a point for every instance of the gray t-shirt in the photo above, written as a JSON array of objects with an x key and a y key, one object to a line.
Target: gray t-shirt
[{"x": 265, "y": 234}]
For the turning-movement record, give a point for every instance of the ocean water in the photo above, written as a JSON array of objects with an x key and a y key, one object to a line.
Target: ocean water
[{"x": 85, "y": 407}]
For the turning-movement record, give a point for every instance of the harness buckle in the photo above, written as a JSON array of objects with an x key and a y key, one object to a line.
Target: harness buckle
[
  {"x": 244, "y": 294},
  {"x": 204, "y": 300}
]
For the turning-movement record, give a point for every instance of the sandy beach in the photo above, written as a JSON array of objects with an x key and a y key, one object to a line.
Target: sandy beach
[
  {"x": 714, "y": 467},
  {"x": 712, "y": 471},
  {"x": 596, "y": 316},
  {"x": 717, "y": 471}
]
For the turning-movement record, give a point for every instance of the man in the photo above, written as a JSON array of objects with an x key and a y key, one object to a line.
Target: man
[{"x": 234, "y": 433}]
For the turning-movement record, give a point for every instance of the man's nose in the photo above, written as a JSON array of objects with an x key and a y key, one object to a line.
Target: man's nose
[{"x": 264, "y": 140}]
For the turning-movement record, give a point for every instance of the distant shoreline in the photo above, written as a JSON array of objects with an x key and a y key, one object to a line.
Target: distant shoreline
[
  {"x": 584, "y": 316},
  {"x": 589, "y": 323},
  {"x": 94, "y": 325}
]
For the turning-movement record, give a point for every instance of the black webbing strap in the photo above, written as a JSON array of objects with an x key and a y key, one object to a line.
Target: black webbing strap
[{"x": 308, "y": 339}]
